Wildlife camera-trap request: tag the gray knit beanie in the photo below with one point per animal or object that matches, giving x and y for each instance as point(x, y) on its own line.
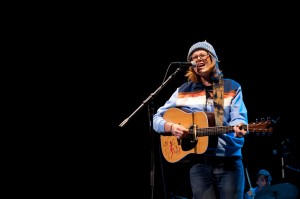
point(202, 45)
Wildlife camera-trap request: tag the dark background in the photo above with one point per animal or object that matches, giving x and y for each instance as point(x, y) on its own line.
point(127, 53)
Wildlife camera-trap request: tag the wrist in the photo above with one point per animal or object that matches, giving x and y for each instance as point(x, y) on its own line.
point(171, 128)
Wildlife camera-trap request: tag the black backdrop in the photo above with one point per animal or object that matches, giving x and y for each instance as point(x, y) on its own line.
point(128, 53)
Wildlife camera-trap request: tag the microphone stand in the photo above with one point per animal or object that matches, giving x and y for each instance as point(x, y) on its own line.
point(150, 114)
point(282, 167)
point(292, 168)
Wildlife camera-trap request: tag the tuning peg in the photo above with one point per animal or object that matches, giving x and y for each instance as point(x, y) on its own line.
point(261, 134)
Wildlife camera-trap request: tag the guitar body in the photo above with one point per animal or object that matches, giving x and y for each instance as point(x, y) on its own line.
point(174, 149)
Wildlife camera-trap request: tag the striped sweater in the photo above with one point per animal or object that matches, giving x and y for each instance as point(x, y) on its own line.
point(194, 97)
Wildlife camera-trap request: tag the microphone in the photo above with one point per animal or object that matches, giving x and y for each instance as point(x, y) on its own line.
point(185, 64)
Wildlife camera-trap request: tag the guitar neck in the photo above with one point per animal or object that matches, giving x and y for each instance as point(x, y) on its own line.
point(214, 130)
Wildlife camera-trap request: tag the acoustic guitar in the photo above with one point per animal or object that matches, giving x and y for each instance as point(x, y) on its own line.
point(201, 125)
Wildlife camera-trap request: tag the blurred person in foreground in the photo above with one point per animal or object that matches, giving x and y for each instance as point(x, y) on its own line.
point(263, 180)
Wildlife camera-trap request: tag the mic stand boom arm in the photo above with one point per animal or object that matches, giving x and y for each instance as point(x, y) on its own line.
point(151, 96)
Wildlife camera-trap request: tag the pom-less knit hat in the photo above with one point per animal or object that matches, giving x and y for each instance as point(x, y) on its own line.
point(202, 45)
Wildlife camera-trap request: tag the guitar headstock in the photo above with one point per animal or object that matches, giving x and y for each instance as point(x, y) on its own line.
point(262, 127)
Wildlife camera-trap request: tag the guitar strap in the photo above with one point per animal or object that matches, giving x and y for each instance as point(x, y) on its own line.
point(218, 97)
